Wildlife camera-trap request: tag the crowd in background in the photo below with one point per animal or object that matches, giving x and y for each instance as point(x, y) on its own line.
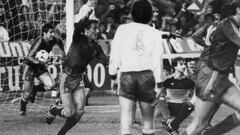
point(23, 19)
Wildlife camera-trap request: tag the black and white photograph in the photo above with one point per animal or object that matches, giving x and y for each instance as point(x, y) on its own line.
point(119, 67)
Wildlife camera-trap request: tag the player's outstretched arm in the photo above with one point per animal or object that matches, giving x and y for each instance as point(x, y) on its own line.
point(80, 26)
point(199, 34)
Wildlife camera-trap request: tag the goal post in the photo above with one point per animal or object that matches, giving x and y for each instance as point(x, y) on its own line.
point(23, 20)
point(69, 23)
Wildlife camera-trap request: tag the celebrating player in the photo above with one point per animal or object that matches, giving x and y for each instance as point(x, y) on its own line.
point(138, 57)
point(83, 49)
point(206, 31)
point(213, 85)
point(36, 66)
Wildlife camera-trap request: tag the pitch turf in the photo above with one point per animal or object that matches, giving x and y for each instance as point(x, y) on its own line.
point(100, 118)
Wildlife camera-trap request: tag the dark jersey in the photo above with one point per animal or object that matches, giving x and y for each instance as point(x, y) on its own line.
point(177, 90)
point(80, 54)
point(40, 44)
point(225, 45)
point(82, 51)
point(207, 32)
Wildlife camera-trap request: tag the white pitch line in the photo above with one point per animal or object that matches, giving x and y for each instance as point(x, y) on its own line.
point(15, 100)
point(109, 111)
point(93, 108)
point(102, 106)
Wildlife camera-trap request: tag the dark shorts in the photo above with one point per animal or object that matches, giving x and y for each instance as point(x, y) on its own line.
point(211, 84)
point(87, 82)
point(137, 86)
point(32, 71)
point(70, 83)
point(174, 108)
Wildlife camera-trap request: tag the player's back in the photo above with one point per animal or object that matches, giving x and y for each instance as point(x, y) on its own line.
point(136, 44)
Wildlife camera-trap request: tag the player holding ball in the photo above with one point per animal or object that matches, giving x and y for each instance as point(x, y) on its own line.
point(36, 66)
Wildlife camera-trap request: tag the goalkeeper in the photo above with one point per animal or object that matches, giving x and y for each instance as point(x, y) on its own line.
point(36, 67)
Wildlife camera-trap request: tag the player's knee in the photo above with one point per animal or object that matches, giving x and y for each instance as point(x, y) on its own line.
point(69, 112)
point(26, 95)
point(79, 112)
point(86, 91)
point(199, 126)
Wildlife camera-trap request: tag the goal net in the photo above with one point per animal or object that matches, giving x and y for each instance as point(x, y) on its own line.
point(23, 20)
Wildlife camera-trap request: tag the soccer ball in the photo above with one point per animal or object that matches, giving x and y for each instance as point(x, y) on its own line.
point(42, 56)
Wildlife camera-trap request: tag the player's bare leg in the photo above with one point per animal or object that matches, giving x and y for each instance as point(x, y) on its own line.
point(73, 100)
point(200, 120)
point(47, 80)
point(147, 111)
point(87, 94)
point(27, 89)
point(25, 96)
point(237, 71)
point(176, 122)
point(72, 120)
point(126, 108)
point(66, 111)
point(230, 98)
point(135, 121)
point(46, 83)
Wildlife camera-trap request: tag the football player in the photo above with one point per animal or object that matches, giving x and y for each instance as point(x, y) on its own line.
point(36, 67)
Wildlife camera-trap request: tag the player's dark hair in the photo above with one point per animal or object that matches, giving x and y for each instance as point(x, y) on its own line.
point(176, 60)
point(141, 11)
point(226, 11)
point(234, 5)
point(209, 15)
point(46, 28)
point(89, 22)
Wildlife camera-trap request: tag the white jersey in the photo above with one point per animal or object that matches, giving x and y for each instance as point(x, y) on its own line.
point(137, 47)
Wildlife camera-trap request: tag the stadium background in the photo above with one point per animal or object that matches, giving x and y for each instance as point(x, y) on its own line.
point(102, 116)
point(21, 36)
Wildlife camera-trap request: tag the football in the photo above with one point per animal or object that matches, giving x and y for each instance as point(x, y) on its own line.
point(42, 56)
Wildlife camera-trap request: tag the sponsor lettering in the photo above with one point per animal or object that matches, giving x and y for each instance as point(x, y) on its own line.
point(12, 54)
point(11, 68)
